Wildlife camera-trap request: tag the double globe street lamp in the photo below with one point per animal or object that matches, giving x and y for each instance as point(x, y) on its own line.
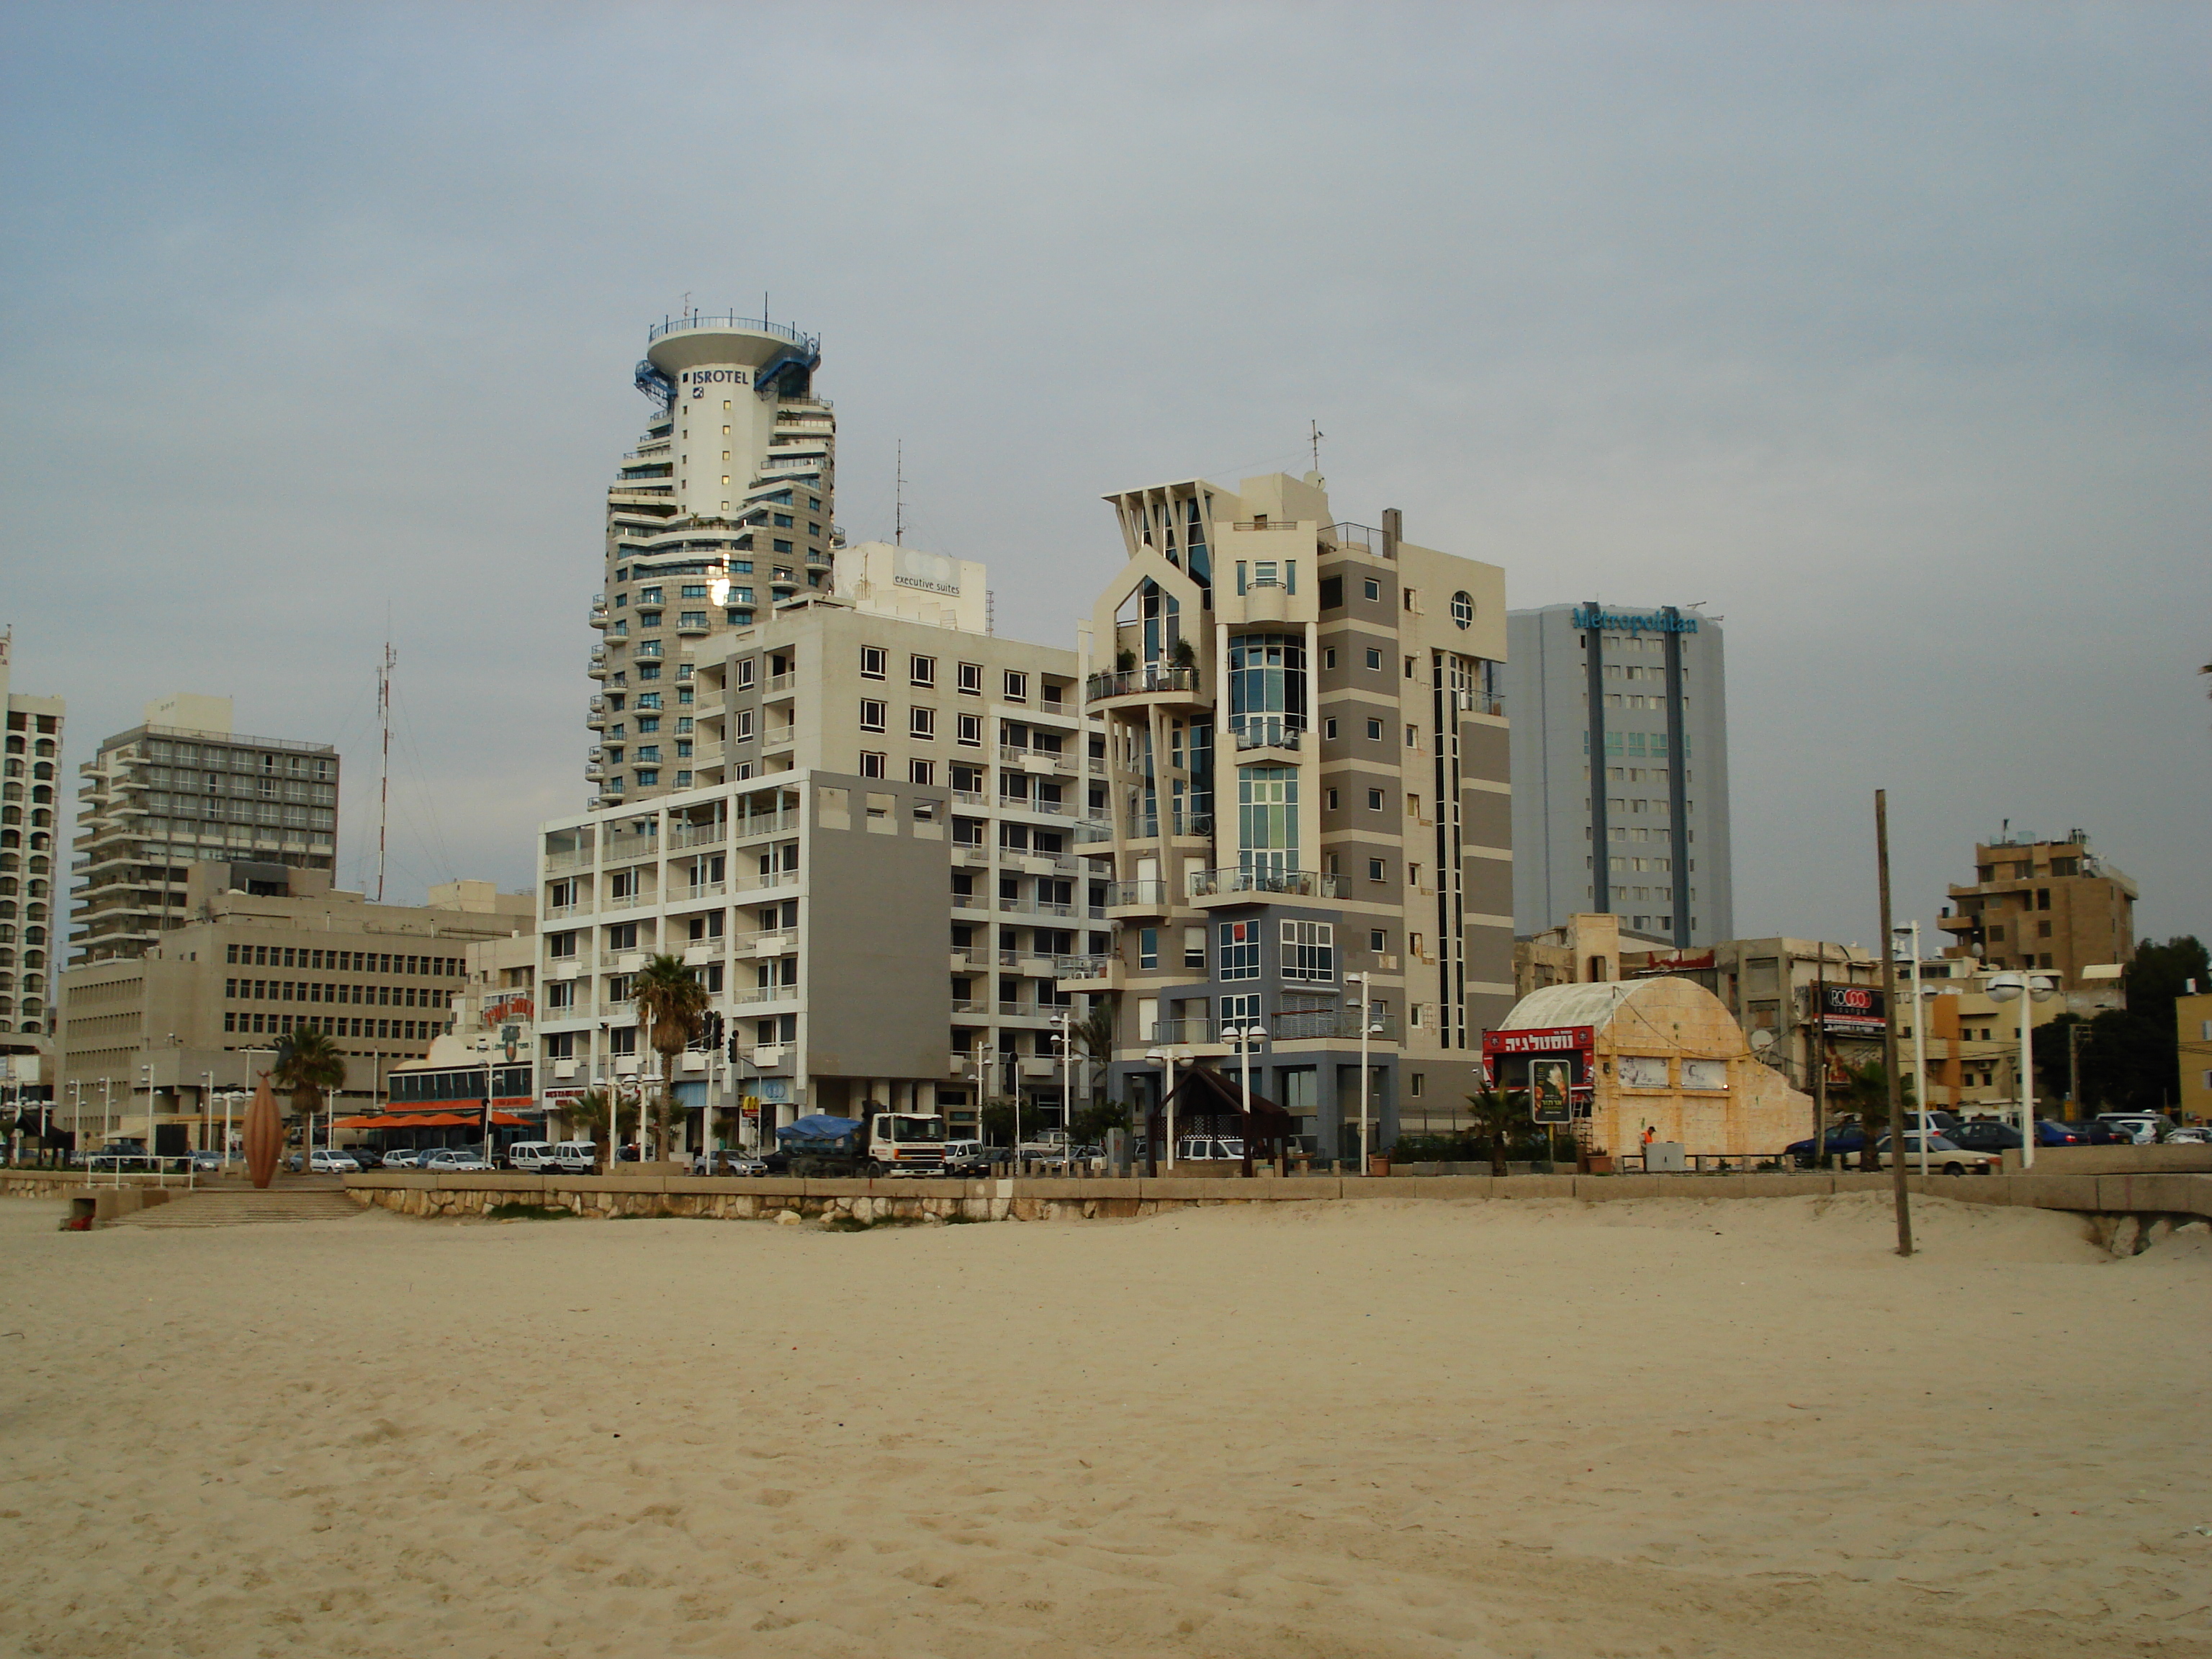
point(2024, 989)
point(1246, 1040)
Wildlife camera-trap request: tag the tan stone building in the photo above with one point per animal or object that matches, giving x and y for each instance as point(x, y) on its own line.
point(255, 951)
point(30, 873)
point(2051, 905)
point(2192, 1017)
point(1661, 1055)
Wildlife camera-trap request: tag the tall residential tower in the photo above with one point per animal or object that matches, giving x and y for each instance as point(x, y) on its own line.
point(28, 862)
point(1620, 799)
point(722, 510)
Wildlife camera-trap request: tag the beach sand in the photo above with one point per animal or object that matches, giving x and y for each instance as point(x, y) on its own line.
point(1400, 1428)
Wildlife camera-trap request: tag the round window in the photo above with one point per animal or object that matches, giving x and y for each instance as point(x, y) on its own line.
point(1462, 609)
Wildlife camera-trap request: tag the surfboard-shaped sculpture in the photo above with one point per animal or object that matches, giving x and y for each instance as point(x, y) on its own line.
point(265, 1135)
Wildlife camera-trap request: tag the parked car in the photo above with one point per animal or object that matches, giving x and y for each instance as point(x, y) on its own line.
point(971, 1160)
point(445, 1158)
point(1842, 1141)
point(401, 1157)
point(1209, 1149)
point(530, 1156)
point(2137, 1128)
point(2049, 1132)
point(1944, 1156)
point(576, 1156)
point(729, 1162)
point(368, 1157)
point(2189, 1134)
point(1986, 1135)
point(207, 1162)
point(2096, 1134)
point(324, 1161)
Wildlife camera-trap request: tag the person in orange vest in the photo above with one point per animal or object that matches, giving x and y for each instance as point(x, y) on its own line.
point(1651, 1134)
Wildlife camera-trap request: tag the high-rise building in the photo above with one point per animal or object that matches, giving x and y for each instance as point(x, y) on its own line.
point(869, 845)
point(724, 509)
point(2043, 904)
point(1620, 785)
point(30, 786)
point(1306, 803)
point(181, 789)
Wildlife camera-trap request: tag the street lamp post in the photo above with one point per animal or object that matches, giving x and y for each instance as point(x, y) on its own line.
point(1247, 1038)
point(2026, 989)
point(1919, 1046)
point(1065, 1022)
point(1366, 1030)
point(1165, 1059)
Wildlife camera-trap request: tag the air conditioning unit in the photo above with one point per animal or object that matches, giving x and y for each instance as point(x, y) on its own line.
point(694, 1062)
point(564, 1069)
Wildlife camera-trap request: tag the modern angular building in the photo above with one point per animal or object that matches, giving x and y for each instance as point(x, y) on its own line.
point(723, 509)
point(1305, 802)
point(182, 789)
point(30, 864)
point(1620, 787)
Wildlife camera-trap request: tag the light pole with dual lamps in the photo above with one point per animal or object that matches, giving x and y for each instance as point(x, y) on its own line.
point(1165, 1059)
point(1369, 1027)
point(1064, 1023)
point(2024, 989)
point(1911, 930)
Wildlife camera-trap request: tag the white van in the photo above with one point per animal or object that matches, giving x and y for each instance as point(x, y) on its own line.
point(575, 1156)
point(530, 1156)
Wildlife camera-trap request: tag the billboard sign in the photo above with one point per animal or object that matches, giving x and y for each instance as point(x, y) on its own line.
point(1551, 1089)
point(1546, 1040)
point(1853, 1010)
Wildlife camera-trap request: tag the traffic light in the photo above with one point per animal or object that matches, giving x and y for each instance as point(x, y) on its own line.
point(711, 1025)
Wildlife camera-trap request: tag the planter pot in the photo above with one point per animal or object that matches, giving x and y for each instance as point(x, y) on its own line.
point(1597, 1163)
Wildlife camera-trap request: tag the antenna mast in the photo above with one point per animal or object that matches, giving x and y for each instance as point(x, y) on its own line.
point(1317, 434)
point(898, 499)
point(384, 765)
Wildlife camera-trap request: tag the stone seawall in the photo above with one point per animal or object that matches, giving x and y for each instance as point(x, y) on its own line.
point(739, 1199)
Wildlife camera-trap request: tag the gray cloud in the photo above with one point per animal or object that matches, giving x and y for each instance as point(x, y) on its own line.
point(1882, 330)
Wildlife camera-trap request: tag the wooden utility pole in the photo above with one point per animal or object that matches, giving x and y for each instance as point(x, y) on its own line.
point(1897, 1184)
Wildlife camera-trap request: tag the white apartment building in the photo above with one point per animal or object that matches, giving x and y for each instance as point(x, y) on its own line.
point(722, 511)
point(30, 868)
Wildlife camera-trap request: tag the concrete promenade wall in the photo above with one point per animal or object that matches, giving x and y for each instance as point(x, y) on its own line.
point(740, 1199)
point(2115, 1160)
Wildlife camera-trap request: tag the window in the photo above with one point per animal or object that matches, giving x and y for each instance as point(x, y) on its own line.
point(1329, 729)
point(1238, 949)
point(1375, 800)
point(1331, 592)
point(1374, 730)
point(921, 671)
point(622, 936)
point(692, 619)
point(1309, 951)
point(741, 726)
point(971, 730)
point(1412, 736)
point(873, 660)
point(783, 547)
point(1407, 593)
point(783, 521)
point(1329, 798)
point(1377, 941)
point(921, 723)
point(1376, 871)
point(1194, 949)
point(1374, 659)
point(1371, 588)
point(1018, 686)
point(921, 771)
point(1328, 657)
point(648, 775)
point(872, 764)
point(871, 714)
point(971, 678)
point(561, 945)
point(744, 673)
point(1148, 947)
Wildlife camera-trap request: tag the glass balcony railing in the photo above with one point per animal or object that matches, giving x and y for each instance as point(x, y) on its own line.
point(1303, 883)
point(1138, 682)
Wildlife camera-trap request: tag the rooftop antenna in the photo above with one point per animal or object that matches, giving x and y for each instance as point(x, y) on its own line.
point(384, 766)
point(898, 499)
point(764, 307)
point(1317, 434)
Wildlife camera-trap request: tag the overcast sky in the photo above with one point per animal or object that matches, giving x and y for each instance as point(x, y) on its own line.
point(1882, 331)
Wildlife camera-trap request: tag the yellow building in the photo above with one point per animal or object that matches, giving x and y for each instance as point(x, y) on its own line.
point(2192, 1017)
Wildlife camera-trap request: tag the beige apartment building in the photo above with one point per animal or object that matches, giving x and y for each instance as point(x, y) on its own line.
point(876, 861)
point(257, 950)
point(2193, 1016)
point(1306, 804)
point(30, 873)
point(2054, 906)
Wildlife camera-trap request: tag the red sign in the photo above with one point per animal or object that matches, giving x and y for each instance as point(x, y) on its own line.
point(1546, 1040)
point(509, 1008)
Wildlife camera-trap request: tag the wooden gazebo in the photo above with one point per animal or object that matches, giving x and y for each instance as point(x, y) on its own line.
point(1212, 1103)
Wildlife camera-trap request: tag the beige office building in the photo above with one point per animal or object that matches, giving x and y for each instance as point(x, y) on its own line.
point(257, 950)
point(2054, 906)
point(1306, 803)
point(722, 512)
point(30, 870)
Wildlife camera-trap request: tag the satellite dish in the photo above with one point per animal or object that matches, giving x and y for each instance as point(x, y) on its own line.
point(1762, 1039)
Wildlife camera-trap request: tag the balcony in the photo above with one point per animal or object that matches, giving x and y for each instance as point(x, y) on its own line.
point(593, 772)
point(1251, 886)
point(1092, 831)
point(1270, 732)
point(1087, 973)
point(1331, 1024)
point(1182, 1031)
point(1034, 760)
point(1159, 679)
point(780, 685)
point(1137, 898)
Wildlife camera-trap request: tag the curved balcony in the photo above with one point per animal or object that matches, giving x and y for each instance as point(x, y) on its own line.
point(1218, 888)
point(1285, 733)
point(731, 320)
point(1159, 682)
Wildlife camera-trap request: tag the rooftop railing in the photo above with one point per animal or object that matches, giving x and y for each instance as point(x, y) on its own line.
point(726, 319)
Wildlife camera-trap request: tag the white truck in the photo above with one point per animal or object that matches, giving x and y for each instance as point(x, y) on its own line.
point(885, 1143)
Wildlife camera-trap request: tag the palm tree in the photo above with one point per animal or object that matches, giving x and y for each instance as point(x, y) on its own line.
point(1866, 1091)
point(307, 1064)
point(1094, 1039)
point(581, 1115)
point(1496, 1115)
point(670, 1001)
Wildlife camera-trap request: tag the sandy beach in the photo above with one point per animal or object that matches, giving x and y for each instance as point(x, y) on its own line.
point(1660, 1427)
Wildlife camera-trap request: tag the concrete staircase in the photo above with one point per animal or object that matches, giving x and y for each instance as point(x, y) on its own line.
point(237, 1206)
